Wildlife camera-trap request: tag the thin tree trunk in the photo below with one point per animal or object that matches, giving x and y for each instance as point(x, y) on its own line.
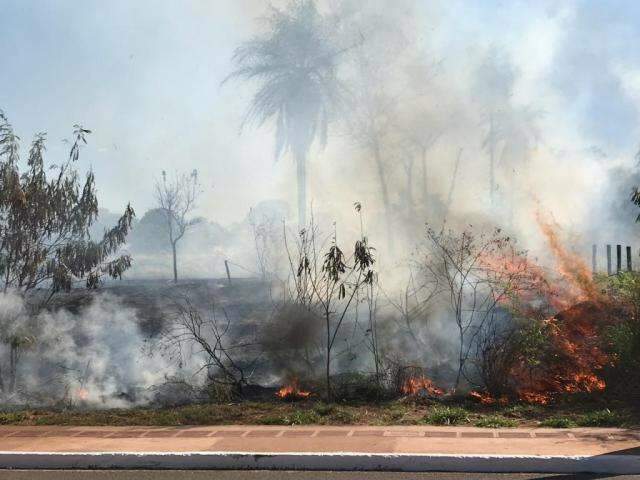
point(13, 365)
point(328, 372)
point(301, 177)
point(452, 186)
point(425, 182)
point(175, 262)
point(492, 148)
point(383, 190)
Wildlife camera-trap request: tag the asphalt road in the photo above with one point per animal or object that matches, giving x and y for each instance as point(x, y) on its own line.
point(263, 475)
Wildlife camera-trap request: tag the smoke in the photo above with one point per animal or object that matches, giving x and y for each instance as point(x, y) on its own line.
point(96, 356)
point(452, 113)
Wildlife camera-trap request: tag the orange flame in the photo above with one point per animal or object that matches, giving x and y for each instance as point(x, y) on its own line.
point(419, 385)
point(292, 391)
point(82, 394)
point(486, 399)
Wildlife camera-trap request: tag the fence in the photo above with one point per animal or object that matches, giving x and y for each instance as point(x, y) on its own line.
point(610, 271)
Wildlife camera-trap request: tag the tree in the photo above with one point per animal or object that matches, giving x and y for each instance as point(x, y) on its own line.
point(45, 239)
point(328, 285)
point(476, 274)
point(45, 221)
point(177, 199)
point(294, 63)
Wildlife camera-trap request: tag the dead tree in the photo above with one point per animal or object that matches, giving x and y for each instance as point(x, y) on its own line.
point(177, 199)
point(204, 337)
point(479, 273)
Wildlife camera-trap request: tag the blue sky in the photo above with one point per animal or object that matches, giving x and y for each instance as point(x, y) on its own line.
point(145, 77)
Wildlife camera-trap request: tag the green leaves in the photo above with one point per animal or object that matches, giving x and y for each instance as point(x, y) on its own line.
point(44, 236)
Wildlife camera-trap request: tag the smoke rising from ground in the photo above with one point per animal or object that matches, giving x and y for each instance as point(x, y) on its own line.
point(450, 114)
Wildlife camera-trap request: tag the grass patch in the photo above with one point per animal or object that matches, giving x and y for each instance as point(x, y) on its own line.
point(9, 418)
point(445, 415)
point(558, 422)
point(324, 409)
point(601, 418)
point(496, 421)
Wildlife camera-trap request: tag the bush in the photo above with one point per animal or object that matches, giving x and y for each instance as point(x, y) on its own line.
point(341, 415)
point(445, 415)
point(601, 418)
point(356, 386)
point(302, 417)
point(9, 418)
point(495, 421)
point(558, 422)
point(324, 409)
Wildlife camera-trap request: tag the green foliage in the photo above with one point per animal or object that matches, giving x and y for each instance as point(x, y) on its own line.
point(446, 415)
point(495, 421)
point(558, 422)
point(44, 235)
point(601, 418)
point(324, 409)
point(622, 339)
point(10, 418)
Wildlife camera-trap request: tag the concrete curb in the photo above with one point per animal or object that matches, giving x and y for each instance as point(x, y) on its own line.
point(338, 461)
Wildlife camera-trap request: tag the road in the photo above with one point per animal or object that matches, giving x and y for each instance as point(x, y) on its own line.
point(264, 475)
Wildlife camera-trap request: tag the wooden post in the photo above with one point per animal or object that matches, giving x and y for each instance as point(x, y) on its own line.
point(629, 266)
point(226, 266)
point(594, 259)
point(618, 258)
point(608, 259)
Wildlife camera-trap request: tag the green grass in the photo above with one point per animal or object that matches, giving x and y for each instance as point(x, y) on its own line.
point(601, 418)
point(446, 415)
point(495, 421)
point(9, 418)
point(558, 422)
point(402, 412)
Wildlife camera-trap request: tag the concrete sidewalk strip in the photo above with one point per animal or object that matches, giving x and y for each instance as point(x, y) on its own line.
point(410, 448)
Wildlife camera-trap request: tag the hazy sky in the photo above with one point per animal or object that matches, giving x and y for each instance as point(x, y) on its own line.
point(145, 77)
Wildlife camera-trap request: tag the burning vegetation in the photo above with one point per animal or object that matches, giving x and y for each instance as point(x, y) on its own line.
point(467, 313)
point(292, 392)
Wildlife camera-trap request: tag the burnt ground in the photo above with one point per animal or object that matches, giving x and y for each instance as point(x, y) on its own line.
point(244, 300)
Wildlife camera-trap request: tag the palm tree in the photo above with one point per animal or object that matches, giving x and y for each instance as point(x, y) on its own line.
point(294, 66)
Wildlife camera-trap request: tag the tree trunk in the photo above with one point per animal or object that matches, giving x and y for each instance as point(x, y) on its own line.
point(301, 177)
point(328, 372)
point(492, 148)
point(175, 262)
point(425, 181)
point(383, 190)
point(13, 365)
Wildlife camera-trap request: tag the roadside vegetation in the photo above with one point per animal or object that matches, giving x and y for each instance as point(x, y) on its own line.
point(464, 413)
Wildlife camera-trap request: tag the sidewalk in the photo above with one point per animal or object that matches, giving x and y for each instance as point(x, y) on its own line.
point(411, 448)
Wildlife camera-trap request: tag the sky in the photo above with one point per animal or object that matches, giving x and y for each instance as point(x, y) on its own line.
point(145, 76)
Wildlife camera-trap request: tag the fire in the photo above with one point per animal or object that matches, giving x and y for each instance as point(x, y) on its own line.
point(420, 385)
point(486, 399)
point(82, 394)
point(292, 391)
point(573, 356)
point(577, 281)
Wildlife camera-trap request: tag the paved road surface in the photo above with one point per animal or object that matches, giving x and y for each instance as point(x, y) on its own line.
point(253, 475)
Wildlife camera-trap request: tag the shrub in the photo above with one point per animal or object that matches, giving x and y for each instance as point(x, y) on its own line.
point(302, 417)
point(601, 418)
point(324, 409)
point(495, 421)
point(8, 418)
point(445, 415)
point(558, 422)
point(340, 415)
